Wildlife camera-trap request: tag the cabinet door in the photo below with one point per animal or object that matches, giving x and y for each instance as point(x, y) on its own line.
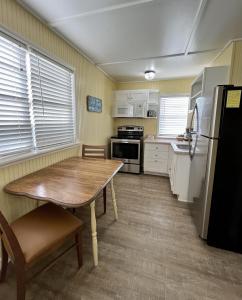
point(139, 100)
point(153, 98)
point(138, 95)
point(140, 109)
point(122, 97)
point(182, 177)
point(173, 174)
point(122, 105)
point(170, 155)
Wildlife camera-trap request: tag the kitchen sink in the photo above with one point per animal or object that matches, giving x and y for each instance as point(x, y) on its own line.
point(183, 147)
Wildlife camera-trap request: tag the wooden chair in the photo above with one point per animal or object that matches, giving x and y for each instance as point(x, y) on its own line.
point(34, 236)
point(91, 151)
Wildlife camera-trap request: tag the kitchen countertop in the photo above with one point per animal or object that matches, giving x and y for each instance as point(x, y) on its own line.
point(171, 141)
point(159, 140)
point(178, 150)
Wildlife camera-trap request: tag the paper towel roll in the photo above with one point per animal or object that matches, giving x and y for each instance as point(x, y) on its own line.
point(189, 118)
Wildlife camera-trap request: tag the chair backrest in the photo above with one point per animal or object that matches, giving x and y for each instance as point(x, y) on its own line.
point(89, 151)
point(10, 241)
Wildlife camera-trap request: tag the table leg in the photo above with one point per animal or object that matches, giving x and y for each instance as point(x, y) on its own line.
point(94, 234)
point(114, 201)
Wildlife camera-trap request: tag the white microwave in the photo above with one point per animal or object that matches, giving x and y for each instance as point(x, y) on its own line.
point(123, 110)
point(130, 109)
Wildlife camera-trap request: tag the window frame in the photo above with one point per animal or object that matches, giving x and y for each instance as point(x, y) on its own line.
point(169, 136)
point(34, 153)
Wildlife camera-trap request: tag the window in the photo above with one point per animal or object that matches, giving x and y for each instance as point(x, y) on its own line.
point(51, 88)
point(15, 125)
point(36, 101)
point(173, 115)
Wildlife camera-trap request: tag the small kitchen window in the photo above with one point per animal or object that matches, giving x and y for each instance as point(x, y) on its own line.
point(37, 109)
point(173, 115)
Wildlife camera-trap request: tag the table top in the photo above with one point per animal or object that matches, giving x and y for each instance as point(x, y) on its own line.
point(72, 182)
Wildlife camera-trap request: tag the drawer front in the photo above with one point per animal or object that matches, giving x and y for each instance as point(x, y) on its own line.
point(151, 155)
point(156, 165)
point(156, 147)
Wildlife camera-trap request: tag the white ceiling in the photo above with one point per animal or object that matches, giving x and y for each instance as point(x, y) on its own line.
point(127, 37)
point(169, 67)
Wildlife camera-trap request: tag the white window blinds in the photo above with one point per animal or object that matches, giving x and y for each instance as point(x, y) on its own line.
point(36, 101)
point(52, 97)
point(173, 115)
point(15, 125)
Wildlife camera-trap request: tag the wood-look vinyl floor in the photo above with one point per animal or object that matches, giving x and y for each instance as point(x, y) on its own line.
point(151, 253)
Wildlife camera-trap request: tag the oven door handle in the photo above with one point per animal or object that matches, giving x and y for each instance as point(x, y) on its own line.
point(125, 141)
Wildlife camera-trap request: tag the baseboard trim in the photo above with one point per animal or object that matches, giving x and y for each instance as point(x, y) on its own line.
point(156, 174)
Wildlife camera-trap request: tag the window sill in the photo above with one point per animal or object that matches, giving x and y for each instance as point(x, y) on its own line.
point(34, 154)
point(164, 136)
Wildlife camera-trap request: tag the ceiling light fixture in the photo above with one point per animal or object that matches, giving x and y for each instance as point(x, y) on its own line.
point(149, 75)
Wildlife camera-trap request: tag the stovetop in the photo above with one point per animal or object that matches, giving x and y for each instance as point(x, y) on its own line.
point(130, 132)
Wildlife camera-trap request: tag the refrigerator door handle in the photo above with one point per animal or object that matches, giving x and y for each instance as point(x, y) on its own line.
point(190, 146)
point(192, 151)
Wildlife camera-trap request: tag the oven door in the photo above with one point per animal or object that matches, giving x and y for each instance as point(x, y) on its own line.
point(126, 150)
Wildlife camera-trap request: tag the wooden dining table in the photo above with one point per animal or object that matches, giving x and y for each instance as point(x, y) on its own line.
point(71, 183)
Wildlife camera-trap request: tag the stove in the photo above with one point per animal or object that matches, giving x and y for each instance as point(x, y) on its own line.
point(128, 147)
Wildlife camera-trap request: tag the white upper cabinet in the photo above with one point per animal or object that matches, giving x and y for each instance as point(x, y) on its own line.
point(205, 83)
point(138, 95)
point(135, 103)
point(122, 97)
point(123, 106)
point(139, 99)
point(153, 97)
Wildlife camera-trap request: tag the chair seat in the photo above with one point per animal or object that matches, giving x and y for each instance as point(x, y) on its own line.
point(44, 229)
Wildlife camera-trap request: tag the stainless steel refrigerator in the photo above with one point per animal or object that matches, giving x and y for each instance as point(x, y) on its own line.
point(216, 167)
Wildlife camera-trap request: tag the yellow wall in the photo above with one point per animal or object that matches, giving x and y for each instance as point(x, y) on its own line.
point(178, 86)
point(175, 86)
point(224, 58)
point(236, 69)
point(93, 128)
point(231, 56)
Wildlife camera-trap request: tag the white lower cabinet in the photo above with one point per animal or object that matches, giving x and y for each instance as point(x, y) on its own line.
point(161, 159)
point(170, 156)
point(179, 176)
point(156, 159)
